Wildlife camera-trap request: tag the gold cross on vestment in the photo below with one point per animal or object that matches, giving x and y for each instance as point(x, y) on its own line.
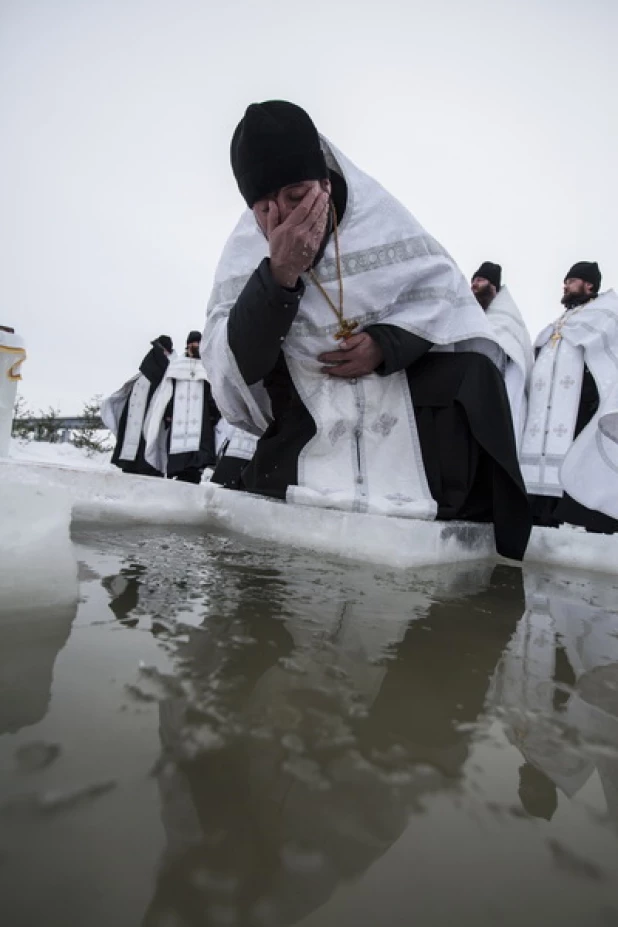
point(346, 328)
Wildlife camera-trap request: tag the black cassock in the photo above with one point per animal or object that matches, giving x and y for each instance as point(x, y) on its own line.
point(189, 466)
point(153, 367)
point(460, 402)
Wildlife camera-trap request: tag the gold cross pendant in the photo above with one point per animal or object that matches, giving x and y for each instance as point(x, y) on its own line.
point(555, 338)
point(345, 329)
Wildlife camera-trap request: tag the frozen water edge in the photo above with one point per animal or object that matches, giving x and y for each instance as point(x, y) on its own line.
point(574, 547)
point(106, 496)
point(37, 562)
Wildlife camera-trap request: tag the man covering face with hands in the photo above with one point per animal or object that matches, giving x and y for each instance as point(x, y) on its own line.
point(346, 338)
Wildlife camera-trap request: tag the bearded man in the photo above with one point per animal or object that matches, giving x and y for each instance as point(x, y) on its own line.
point(512, 335)
point(327, 301)
point(569, 455)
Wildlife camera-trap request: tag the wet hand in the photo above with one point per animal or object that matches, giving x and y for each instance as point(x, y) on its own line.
point(357, 356)
point(295, 242)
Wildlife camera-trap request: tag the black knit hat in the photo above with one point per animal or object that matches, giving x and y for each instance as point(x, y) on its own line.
point(193, 337)
point(491, 272)
point(275, 144)
point(165, 341)
point(588, 271)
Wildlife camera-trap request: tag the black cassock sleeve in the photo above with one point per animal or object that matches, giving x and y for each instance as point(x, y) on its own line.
point(259, 321)
point(211, 405)
point(400, 348)
point(169, 409)
point(154, 365)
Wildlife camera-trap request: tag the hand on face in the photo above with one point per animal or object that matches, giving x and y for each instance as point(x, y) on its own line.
point(357, 356)
point(295, 241)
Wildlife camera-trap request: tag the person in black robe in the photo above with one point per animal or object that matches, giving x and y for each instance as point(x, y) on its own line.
point(188, 466)
point(459, 399)
point(152, 368)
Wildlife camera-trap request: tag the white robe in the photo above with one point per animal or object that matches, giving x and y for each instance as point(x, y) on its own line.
point(135, 392)
point(590, 472)
point(186, 428)
point(234, 442)
point(510, 330)
point(366, 453)
point(580, 617)
point(551, 461)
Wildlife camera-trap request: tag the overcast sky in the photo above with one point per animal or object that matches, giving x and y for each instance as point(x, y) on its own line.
point(495, 122)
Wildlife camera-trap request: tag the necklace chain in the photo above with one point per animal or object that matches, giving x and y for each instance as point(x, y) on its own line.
point(346, 326)
point(559, 324)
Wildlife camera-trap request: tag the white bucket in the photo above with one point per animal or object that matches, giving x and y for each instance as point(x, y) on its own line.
point(12, 355)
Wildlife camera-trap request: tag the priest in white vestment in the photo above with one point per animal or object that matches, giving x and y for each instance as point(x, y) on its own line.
point(568, 457)
point(510, 330)
point(180, 424)
point(345, 337)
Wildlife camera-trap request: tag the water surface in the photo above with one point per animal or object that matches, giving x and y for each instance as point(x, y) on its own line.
point(220, 734)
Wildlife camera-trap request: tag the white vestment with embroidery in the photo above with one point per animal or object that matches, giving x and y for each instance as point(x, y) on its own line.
point(552, 462)
point(510, 330)
point(365, 455)
point(135, 391)
point(188, 374)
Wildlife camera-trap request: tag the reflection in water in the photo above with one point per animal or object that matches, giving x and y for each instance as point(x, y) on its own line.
point(438, 679)
point(30, 641)
point(297, 750)
point(334, 744)
point(124, 590)
point(558, 687)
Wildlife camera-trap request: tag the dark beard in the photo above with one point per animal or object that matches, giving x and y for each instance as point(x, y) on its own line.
point(484, 299)
point(571, 300)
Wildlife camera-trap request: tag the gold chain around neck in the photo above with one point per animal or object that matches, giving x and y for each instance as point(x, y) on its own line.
point(346, 327)
point(560, 323)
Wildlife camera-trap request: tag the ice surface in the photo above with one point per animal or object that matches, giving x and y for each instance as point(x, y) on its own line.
point(574, 547)
point(101, 493)
point(104, 495)
point(37, 564)
point(396, 542)
point(60, 453)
